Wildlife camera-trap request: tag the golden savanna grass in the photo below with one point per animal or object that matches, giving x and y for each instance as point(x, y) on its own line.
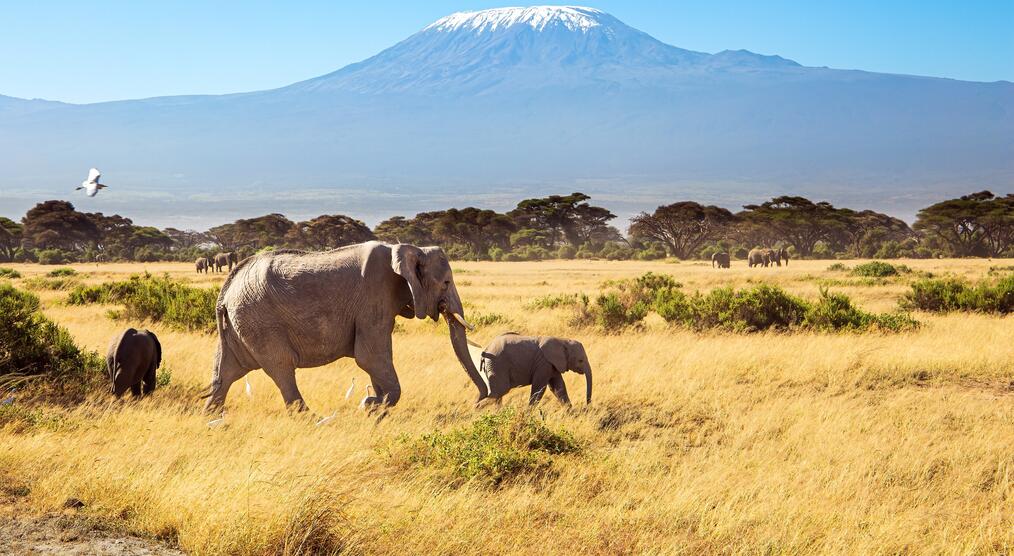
point(695, 443)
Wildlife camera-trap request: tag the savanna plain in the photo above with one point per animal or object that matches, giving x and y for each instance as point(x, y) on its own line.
point(695, 442)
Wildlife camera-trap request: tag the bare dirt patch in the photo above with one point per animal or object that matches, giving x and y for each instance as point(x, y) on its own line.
point(68, 534)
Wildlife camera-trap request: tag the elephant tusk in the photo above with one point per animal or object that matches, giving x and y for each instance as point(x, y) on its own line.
point(461, 320)
point(472, 342)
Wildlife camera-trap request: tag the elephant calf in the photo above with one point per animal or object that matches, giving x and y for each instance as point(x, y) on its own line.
point(511, 360)
point(132, 360)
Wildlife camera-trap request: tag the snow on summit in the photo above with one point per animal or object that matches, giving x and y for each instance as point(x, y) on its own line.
point(573, 18)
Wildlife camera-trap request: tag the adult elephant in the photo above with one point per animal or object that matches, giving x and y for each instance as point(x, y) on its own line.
point(721, 260)
point(132, 362)
point(289, 309)
point(758, 257)
point(202, 265)
point(223, 260)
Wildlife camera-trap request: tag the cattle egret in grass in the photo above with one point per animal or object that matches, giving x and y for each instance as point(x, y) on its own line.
point(362, 403)
point(327, 419)
point(92, 185)
point(215, 423)
point(352, 388)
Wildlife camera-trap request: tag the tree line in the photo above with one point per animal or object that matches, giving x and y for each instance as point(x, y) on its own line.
point(557, 226)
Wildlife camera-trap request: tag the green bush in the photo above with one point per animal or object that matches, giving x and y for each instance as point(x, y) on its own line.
point(488, 319)
point(159, 299)
point(554, 301)
point(941, 295)
point(51, 256)
point(759, 308)
point(566, 252)
point(34, 348)
point(879, 269)
point(9, 273)
point(613, 314)
point(495, 448)
point(838, 267)
point(61, 272)
point(835, 312)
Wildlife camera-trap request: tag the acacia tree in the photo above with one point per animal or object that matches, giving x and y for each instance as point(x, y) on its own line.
point(682, 227)
point(55, 224)
point(10, 238)
point(976, 224)
point(796, 220)
point(862, 233)
point(566, 217)
point(252, 233)
point(399, 229)
point(475, 228)
point(329, 231)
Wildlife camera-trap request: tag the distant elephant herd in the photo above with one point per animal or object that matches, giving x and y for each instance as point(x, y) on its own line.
point(217, 263)
point(287, 309)
point(757, 257)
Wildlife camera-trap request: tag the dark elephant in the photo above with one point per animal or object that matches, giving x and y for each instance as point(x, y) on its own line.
point(511, 360)
point(721, 260)
point(132, 361)
point(225, 260)
point(758, 257)
point(202, 265)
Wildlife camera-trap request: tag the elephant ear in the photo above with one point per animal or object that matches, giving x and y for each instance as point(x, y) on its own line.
point(555, 352)
point(405, 263)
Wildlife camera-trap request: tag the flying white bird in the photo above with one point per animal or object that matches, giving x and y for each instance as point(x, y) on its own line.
point(92, 185)
point(352, 388)
point(215, 423)
point(362, 403)
point(327, 419)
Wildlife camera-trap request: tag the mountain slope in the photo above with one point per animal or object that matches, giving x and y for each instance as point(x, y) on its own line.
point(522, 101)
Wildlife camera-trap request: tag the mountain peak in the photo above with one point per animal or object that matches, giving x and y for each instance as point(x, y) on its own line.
point(572, 18)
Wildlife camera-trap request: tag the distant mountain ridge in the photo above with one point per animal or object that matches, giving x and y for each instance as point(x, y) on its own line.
point(512, 102)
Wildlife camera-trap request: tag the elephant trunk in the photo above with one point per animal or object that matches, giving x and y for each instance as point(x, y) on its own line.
point(460, 343)
point(588, 382)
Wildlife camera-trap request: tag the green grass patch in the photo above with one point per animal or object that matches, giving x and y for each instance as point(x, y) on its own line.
point(155, 298)
point(6, 272)
point(555, 301)
point(838, 267)
point(61, 272)
point(943, 295)
point(496, 448)
point(488, 319)
point(40, 283)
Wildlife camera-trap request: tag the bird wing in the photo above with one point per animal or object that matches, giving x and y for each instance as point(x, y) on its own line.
point(94, 174)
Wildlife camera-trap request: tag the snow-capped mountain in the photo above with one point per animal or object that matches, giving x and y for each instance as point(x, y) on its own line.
point(485, 107)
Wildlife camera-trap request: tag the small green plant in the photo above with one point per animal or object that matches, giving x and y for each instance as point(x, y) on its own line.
point(834, 312)
point(19, 418)
point(554, 301)
point(157, 298)
point(6, 272)
point(164, 377)
point(61, 272)
point(838, 267)
point(488, 319)
point(495, 448)
point(942, 295)
point(879, 269)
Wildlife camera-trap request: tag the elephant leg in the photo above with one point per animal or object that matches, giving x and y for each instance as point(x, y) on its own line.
point(150, 378)
point(373, 355)
point(284, 378)
point(559, 388)
point(227, 371)
point(135, 390)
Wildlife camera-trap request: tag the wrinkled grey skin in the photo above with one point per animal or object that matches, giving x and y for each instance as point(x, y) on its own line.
point(721, 260)
point(202, 265)
point(286, 309)
point(758, 257)
point(511, 361)
point(223, 260)
point(132, 361)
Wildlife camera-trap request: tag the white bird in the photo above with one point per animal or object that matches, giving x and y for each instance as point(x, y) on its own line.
point(249, 390)
point(362, 403)
point(215, 423)
point(352, 388)
point(327, 419)
point(92, 185)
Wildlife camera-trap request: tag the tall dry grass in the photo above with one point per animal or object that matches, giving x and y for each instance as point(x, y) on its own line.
point(696, 443)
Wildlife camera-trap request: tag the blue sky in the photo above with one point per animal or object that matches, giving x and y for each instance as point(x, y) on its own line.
point(105, 50)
